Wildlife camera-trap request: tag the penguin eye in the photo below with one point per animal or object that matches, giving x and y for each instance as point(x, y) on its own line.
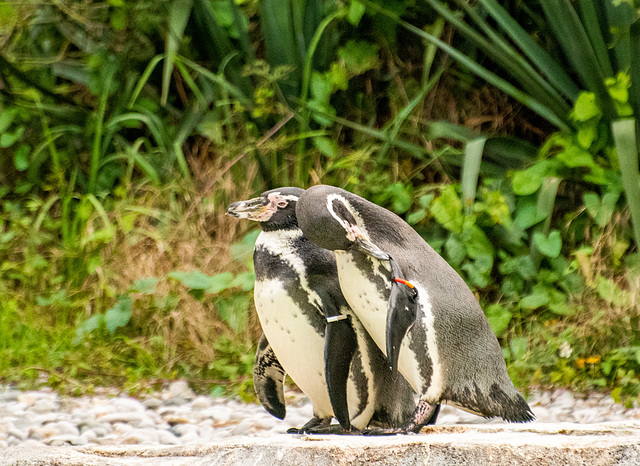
point(282, 204)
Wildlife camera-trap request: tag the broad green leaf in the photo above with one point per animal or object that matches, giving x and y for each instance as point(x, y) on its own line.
point(601, 211)
point(527, 215)
point(400, 197)
point(195, 279)
point(244, 248)
point(447, 209)
point(8, 138)
point(498, 317)
point(416, 217)
point(119, 315)
point(145, 285)
point(245, 280)
point(574, 156)
point(455, 250)
point(6, 118)
point(356, 11)
point(21, 157)
point(87, 327)
point(586, 107)
point(220, 282)
point(328, 147)
point(550, 245)
point(528, 181)
point(612, 293)
point(359, 56)
point(535, 300)
point(518, 347)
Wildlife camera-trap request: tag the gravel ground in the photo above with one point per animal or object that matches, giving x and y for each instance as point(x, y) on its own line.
point(177, 416)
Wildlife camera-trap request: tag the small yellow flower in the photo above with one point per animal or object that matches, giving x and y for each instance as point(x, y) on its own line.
point(592, 360)
point(580, 363)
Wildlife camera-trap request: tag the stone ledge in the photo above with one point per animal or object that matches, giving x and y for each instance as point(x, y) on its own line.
point(489, 444)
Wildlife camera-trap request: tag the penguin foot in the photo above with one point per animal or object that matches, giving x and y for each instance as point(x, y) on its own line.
point(425, 414)
point(335, 429)
point(314, 422)
point(384, 431)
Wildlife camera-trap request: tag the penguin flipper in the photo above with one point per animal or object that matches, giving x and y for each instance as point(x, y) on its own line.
point(340, 346)
point(268, 380)
point(403, 309)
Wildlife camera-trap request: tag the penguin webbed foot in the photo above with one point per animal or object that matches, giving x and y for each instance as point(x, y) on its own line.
point(335, 429)
point(314, 422)
point(425, 414)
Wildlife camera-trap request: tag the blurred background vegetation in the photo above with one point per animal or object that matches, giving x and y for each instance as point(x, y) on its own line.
point(507, 138)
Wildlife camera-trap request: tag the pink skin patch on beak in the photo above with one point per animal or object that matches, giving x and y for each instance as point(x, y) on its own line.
point(353, 232)
point(275, 202)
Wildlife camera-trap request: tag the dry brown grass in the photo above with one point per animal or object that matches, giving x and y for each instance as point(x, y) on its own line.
point(186, 229)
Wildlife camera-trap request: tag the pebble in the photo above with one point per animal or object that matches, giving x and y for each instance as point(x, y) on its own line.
point(177, 416)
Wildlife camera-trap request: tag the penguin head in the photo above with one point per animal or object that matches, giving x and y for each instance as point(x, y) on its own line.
point(274, 209)
point(329, 217)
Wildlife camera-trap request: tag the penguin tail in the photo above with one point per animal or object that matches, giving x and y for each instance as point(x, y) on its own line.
point(518, 410)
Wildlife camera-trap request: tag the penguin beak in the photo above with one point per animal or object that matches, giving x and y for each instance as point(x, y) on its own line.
point(254, 209)
point(366, 246)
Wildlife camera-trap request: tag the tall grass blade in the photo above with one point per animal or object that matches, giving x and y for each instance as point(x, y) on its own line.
point(545, 112)
point(144, 77)
point(301, 166)
point(591, 16)
point(96, 150)
point(553, 70)
point(513, 62)
point(634, 67)
point(470, 172)
point(625, 138)
point(179, 13)
point(396, 123)
point(276, 21)
point(214, 42)
point(578, 50)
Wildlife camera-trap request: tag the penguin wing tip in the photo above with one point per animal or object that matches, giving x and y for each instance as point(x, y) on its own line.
point(279, 411)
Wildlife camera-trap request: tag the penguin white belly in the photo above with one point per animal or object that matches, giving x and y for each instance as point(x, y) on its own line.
point(371, 308)
point(297, 345)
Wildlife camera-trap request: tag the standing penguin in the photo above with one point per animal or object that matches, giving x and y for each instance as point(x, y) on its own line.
point(309, 330)
point(415, 307)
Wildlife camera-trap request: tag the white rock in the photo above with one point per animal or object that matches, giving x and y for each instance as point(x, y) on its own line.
point(152, 403)
point(133, 418)
point(167, 438)
point(201, 402)
point(66, 440)
point(242, 428)
point(181, 389)
point(44, 406)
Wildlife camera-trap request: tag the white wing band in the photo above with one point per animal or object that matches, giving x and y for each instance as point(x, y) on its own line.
point(336, 318)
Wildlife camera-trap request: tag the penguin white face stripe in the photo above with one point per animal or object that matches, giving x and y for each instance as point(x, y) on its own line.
point(280, 243)
point(351, 232)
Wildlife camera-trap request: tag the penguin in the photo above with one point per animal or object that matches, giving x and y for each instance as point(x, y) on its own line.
point(310, 333)
point(416, 308)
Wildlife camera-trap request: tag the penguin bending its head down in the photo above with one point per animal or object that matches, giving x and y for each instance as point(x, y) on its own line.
point(417, 309)
point(309, 330)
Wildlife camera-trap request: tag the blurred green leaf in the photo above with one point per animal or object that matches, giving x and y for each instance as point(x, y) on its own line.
point(195, 279)
point(359, 56)
point(499, 318)
point(220, 282)
point(119, 315)
point(145, 286)
point(550, 245)
point(447, 209)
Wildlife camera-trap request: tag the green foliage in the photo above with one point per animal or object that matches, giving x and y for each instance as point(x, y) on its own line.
point(300, 93)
